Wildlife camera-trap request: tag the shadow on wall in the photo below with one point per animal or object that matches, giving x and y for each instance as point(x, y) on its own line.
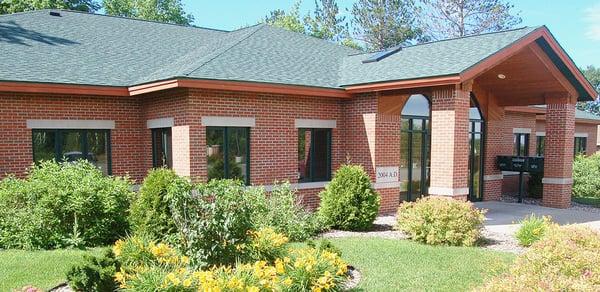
point(11, 32)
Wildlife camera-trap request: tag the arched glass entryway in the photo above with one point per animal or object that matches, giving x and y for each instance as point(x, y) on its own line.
point(414, 148)
point(476, 138)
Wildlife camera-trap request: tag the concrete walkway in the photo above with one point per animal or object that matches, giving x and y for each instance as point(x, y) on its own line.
point(507, 215)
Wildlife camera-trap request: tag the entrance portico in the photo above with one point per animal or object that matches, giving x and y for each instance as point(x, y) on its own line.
point(454, 163)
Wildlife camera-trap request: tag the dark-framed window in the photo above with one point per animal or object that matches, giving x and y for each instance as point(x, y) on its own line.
point(540, 146)
point(162, 154)
point(72, 145)
point(521, 142)
point(228, 153)
point(314, 155)
point(580, 145)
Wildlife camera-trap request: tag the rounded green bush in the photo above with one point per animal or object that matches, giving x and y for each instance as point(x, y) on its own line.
point(150, 210)
point(586, 176)
point(349, 202)
point(441, 221)
point(63, 204)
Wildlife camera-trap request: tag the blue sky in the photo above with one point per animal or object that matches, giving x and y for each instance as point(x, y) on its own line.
point(575, 23)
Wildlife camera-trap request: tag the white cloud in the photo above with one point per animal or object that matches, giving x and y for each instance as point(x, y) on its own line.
point(592, 18)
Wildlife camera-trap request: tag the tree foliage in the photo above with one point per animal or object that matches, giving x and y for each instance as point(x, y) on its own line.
point(457, 18)
point(327, 22)
point(13, 6)
point(381, 24)
point(593, 75)
point(289, 20)
point(169, 11)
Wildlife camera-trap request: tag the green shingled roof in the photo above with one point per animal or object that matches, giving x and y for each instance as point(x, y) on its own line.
point(82, 48)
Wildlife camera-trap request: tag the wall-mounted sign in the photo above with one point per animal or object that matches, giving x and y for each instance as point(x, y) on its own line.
point(385, 174)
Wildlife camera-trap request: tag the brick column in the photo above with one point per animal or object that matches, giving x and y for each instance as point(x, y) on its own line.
point(558, 156)
point(180, 137)
point(494, 140)
point(450, 142)
point(387, 155)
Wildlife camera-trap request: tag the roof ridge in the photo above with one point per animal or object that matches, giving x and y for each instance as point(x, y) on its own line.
point(452, 39)
point(310, 36)
point(257, 28)
point(115, 16)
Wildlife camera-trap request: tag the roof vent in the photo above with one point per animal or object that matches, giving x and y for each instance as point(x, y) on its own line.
point(54, 13)
point(380, 55)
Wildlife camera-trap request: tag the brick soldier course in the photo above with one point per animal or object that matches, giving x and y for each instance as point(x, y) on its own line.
point(134, 76)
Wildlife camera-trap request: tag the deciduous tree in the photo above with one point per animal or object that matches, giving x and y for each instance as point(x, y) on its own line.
point(169, 11)
point(593, 75)
point(13, 6)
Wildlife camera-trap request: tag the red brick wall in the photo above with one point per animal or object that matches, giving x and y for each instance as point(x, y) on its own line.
point(128, 153)
point(590, 129)
point(274, 140)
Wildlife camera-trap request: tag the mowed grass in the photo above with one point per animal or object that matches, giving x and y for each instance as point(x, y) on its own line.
point(385, 264)
point(402, 265)
point(43, 269)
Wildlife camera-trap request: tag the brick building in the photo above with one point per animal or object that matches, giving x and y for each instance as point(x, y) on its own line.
point(263, 104)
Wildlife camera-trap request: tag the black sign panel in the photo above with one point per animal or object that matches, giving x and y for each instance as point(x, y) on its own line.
point(520, 163)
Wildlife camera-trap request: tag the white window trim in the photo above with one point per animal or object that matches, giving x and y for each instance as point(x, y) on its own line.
point(160, 123)
point(314, 124)
point(540, 134)
point(71, 124)
point(521, 131)
point(581, 135)
point(214, 121)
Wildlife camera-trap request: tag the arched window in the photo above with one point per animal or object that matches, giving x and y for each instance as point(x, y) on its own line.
point(416, 105)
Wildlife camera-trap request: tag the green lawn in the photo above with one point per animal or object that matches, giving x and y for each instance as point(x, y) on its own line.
point(43, 269)
point(385, 264)
point(393, 265)
point(592, 201)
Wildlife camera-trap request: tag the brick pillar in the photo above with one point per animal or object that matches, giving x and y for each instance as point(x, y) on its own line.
point(450, 142)
point(494, 139)
point(180, 137)
point(387, 157)
point(558, 156)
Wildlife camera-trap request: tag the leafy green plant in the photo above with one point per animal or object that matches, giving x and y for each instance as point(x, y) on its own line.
point(586, 176)
point(150, 210)
point(441, 221)
point(349, 202)
point(532, 229)
point(267, 245)
point(567, 258)
point(283, 211)
point(63, 204)
point(213, 221)
point(95, 273)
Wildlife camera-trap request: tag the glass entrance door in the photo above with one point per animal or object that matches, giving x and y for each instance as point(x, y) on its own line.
point(414, 158)
point(475, 160)
point(476, 137)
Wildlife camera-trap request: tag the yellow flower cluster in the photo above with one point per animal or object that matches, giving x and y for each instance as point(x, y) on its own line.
point(298, 269)
point(269, 235)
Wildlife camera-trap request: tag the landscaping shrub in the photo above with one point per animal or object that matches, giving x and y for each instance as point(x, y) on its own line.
point(566, 259)
point(532, 229)
point(150, 210)
point(283, 211)
point(213, 221)
point(586, 176)
point(63, 204)
point(441, 221)
point(349, 202)
point(301, 270)
point(266, 244)
point(95, 273)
